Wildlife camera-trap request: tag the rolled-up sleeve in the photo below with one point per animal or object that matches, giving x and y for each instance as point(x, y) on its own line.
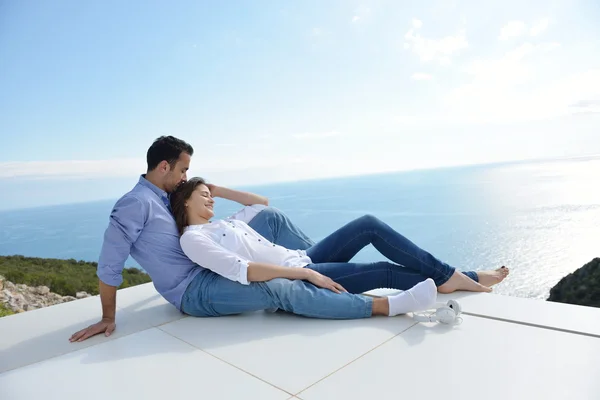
point(247, 213)
point(205, 252)
point(126, 222)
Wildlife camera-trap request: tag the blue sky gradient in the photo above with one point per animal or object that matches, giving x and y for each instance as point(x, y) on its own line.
point(271, 91)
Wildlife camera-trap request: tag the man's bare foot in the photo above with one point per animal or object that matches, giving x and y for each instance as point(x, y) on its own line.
point(459, 281)
point(491, 278)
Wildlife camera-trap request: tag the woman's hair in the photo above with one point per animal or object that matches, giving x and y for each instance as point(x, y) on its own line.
point(178, 198)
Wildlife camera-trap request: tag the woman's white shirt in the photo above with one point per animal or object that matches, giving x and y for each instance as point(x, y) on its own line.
point(227, 246)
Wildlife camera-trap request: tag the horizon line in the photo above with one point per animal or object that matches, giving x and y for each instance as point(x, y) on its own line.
point(269, 184)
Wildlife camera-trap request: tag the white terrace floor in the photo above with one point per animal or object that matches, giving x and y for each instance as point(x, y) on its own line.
point(506, 348)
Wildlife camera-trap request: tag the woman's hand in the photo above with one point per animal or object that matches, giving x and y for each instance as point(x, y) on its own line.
point(323, 281)
point(213, 189)
point(244, 198)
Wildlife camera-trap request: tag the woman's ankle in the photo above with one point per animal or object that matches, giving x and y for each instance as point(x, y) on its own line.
point(381, 306)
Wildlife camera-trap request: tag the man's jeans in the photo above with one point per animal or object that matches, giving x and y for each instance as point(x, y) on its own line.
point(213, 295)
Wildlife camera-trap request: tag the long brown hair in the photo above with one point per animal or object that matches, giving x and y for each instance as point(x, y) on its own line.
point(178, 199)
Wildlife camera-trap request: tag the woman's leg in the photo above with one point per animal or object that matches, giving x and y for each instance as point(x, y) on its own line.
point(347, 241)
point(361, 277)
point(278, 228)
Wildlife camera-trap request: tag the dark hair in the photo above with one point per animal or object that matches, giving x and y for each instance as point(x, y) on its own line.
point(167, 148)
point(178, 198)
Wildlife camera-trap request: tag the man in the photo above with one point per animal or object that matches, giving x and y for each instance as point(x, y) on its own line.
point(141, 225)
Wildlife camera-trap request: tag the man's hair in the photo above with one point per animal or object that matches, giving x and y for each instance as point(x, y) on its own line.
point(167, 148)
point(178, 198)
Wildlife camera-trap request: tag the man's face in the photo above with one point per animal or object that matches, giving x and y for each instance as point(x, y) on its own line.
point(177, 174)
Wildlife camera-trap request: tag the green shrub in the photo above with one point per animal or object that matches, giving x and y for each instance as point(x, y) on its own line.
point(65, 277)
point(4, 310)
point(582, 287)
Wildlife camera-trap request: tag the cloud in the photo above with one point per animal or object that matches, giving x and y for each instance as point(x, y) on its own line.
point(586, 103)
point(506, 69)
point(512, 88)
point(512, 29)
point(585, 107)
point(316, 135)
point(209, 166)
point(361, 13)
point(421, 76)
point(515, 29)
point(317, 31)
point(539, 27)
point(439, 50)
point(73, 169)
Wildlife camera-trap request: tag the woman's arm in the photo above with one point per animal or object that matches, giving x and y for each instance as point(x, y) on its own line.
point(244, 198)
point(208, 254)
point(260, 272)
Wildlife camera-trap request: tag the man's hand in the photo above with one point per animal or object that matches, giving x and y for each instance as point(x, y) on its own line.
point(323, 281)
point(106, 326)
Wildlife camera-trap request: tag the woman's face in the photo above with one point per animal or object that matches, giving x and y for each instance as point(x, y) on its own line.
point(201, 203)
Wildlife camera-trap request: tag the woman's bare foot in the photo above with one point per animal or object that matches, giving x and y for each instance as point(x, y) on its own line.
point(491, 278)
point(459, 281)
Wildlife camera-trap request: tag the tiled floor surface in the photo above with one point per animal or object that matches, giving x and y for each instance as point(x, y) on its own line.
point(506, 348)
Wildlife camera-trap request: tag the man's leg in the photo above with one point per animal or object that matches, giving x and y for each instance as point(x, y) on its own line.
point(210, 294)
point(275, 226)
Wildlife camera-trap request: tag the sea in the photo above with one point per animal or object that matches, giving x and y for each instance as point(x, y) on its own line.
point(539, 218)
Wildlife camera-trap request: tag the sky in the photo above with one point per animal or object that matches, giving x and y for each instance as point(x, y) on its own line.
point(269, 91)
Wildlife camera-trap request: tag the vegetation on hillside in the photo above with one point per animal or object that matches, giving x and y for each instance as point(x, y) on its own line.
point(582, 287)
point(65, 277)
point(4, 311)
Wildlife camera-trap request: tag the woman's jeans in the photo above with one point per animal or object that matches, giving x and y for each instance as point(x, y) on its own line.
point(277, 228)
point(210, 294)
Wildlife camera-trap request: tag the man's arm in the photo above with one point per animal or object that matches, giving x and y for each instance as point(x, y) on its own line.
point(126, 223)
point(244, 198)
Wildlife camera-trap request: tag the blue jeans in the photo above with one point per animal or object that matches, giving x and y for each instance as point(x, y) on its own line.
point(410, 264)
point(276, 227)
point(210, 294)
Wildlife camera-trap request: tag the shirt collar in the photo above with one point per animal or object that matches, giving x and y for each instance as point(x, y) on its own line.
point(195, 227)
point(145, 182)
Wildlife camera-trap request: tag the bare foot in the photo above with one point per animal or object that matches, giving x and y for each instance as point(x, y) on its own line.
point(459, 281)
point(491, 278)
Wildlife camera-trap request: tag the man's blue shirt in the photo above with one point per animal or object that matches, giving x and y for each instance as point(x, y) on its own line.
point(141, 225)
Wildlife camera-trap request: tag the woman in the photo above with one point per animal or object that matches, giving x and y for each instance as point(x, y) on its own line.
point(245, 272)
